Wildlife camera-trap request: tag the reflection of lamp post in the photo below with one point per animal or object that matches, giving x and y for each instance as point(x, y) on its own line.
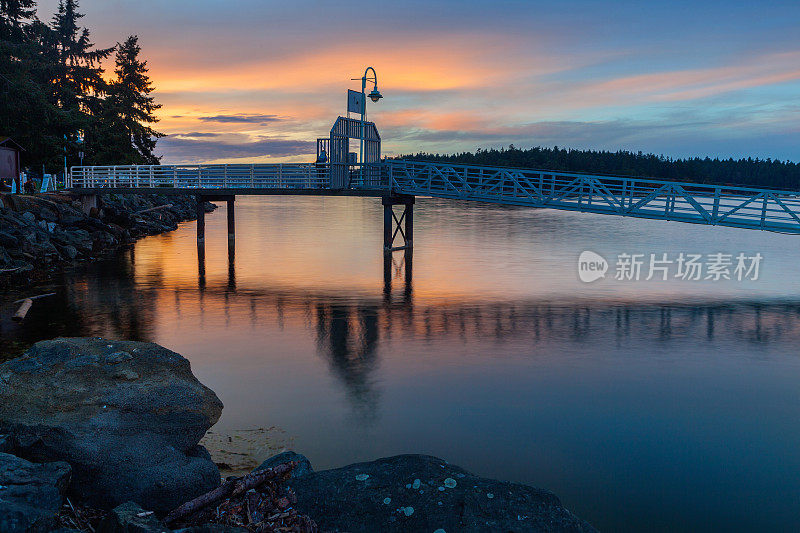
point(375, 95)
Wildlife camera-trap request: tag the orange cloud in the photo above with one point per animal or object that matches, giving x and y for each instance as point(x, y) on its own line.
point(697, 83)
point(443, 63)
point(435, 120)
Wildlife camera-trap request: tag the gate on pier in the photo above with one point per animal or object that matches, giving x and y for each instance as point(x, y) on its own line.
point(341, 176)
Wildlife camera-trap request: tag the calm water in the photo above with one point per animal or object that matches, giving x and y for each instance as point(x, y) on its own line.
point(650, 405)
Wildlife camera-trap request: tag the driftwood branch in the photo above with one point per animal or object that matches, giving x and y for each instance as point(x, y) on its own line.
point(254, 479)
point(209, 498)
point(19, 316)
point(231, 488)
point(35, 297)
point(25, 306)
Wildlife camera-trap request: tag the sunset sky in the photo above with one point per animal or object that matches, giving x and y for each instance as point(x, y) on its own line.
point(251, 80)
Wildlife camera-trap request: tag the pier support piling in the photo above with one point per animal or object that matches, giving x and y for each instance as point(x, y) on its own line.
point(201, 242)
point(201, 221)
point(88, 202)
point(394, 226)
point(231, 220)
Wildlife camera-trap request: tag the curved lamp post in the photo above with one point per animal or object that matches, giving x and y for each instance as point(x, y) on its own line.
point(375, 95)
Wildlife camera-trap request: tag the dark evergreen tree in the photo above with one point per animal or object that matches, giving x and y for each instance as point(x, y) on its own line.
point(79, 84)
point(52, 92)
point(126, 137)
point(14, 15)
point(27, 111)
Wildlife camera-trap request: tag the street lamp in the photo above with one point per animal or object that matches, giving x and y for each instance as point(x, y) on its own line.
point(375, 95)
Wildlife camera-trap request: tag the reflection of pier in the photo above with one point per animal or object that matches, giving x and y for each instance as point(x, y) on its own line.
point(351, 332)
point(397, 268)
point(398, 312)
point(352, 329)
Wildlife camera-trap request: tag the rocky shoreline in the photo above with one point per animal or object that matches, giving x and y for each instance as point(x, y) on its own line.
point(102, 435)
point(42, 233)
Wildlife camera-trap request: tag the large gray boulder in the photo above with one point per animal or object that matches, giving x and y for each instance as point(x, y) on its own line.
point(408, 493)
point(30, 494)
point(127, 416)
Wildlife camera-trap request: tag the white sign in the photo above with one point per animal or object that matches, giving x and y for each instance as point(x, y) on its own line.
point(355, 102)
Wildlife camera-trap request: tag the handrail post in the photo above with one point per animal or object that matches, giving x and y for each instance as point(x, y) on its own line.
point(715, 212)
point(252, 176)
point(631, 192)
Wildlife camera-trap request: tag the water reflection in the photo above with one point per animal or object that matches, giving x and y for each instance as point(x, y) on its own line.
point(397, 267)
point(347, 337)
point(482, 347)
point(105, 300)
point(201, 264)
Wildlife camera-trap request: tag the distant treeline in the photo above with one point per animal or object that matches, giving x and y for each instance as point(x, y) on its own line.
point(750, 172)
point(55, 99)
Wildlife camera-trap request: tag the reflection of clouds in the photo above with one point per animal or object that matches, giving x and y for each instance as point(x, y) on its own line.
point(350, 328)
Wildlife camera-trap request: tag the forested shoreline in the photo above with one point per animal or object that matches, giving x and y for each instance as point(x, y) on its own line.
point(750, 172)
point(57, 100)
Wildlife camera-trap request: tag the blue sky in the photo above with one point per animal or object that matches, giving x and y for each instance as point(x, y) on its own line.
point(259, 81)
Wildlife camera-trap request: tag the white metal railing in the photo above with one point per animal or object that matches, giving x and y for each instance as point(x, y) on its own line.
point(224, 176)
point(741, 207)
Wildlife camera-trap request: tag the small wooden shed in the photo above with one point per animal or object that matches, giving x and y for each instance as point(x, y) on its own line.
point(9, 159)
